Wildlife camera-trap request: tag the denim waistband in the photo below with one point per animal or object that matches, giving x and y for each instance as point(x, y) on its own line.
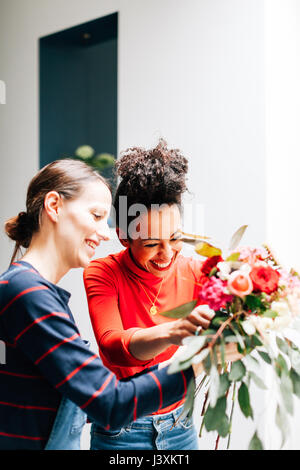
point(170, 417)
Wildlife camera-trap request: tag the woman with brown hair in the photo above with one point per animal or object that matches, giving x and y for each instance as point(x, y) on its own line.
point(51, 381)
point(127, 291)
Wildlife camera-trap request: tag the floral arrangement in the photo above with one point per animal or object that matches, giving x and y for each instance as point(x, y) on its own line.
point(257, 305)
point(100, 161)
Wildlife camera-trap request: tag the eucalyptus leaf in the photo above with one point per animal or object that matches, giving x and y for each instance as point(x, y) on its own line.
point(215, 419)
point(201, 356)
point(177, 366)
point(256, 340)
point(286, 389)
point(282, 345)
point(213, 390)
point(224, 385)
point(255, 443)
point(193, 347)
point(189, 400)
point(281, 366)
point(244, 400)
point(236, 237)
point(294, 356)
point(237, 372)
point(231, 339)
point(257, 380)
point(207, 363)
point(265, 356)
point(251, 362)
point(180, 312)
point(295, 378)
point(282, 423)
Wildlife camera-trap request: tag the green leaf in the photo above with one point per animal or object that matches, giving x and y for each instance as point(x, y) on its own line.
point(189, 400)
point(282, 345)
point(207, 363)
point(213, 272)
point(282, 423)
point(193, 347)
point(294, 356)
point(286, 389)
point(244, 400)
point(253, 303)
point(256, 340)
point(201, 356)
point(180, 312)
point(295, 378)
point(231, 339)
point(177, 366)
point(236, 237)
point(265, 356)
point(257, 380)
point(255, 443)
point(215, 419)
point(281, 365)
point(237, 371)
point(251, 362)
point(224, 385)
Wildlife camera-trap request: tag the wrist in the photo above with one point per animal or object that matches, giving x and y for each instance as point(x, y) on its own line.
point(165, 334)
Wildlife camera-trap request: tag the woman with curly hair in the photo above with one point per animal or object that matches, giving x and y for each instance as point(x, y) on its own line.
point(127, 291)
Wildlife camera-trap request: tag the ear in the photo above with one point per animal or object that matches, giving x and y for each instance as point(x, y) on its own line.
point(52, 205)
point(122, 237)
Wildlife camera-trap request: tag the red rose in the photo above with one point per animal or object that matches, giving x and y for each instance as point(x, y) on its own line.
point(210, 263)
point(264, 279)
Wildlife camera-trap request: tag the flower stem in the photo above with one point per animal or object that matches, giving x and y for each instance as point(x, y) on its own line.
point(231, 415)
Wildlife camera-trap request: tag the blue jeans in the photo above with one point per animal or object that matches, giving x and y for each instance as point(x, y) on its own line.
point(157, 432)
point(67, 427)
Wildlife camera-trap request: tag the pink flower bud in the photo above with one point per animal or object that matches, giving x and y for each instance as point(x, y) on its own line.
point(240, 284)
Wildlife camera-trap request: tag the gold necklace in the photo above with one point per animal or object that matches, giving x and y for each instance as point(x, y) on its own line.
point(153, 309)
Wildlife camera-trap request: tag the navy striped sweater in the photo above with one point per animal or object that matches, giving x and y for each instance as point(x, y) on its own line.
point(46, 358)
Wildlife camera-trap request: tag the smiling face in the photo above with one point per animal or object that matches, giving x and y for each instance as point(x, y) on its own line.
point(83, 224)
point(156, 250)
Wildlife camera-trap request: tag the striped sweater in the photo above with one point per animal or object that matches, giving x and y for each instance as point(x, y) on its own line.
point(46, 358)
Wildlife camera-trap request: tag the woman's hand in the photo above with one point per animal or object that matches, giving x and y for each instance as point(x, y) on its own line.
point(198, 319)
point(146, 343)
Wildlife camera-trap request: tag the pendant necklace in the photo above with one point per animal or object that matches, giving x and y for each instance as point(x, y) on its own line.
point(153, 309)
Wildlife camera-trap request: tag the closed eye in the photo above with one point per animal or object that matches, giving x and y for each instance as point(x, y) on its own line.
point(98, 216)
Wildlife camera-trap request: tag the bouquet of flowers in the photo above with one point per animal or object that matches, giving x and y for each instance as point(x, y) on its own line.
point(257, 305)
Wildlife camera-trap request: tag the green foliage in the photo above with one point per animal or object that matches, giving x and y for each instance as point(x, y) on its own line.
point(237, 372)
point(255, 443)
point(215, 418)
point(180, 312)
point(244, 400)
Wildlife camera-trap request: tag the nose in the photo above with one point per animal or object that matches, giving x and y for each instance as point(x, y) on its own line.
point(166, 252)
point(103, 231)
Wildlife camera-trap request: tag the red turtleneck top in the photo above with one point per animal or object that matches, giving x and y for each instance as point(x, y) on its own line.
point(118, 306)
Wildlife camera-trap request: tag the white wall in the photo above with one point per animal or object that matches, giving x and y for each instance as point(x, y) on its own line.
point(282, 78)
point(191, 72)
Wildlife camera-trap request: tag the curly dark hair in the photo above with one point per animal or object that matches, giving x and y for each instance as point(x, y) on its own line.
point(155, 176)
